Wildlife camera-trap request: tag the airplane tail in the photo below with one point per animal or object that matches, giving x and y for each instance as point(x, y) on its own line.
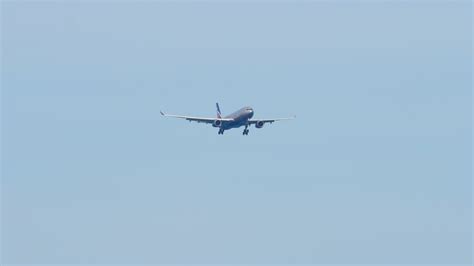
point(218, 111)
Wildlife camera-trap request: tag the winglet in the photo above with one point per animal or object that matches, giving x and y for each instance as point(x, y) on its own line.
point(161, 112)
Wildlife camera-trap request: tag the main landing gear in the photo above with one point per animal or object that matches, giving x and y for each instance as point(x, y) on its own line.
point(246, 131)
point(221, 131)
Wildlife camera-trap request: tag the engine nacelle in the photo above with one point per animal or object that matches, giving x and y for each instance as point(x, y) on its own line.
point(259, 124)
point(217, 123)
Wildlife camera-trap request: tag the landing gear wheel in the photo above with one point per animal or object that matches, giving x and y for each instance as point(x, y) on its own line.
point(246, 132)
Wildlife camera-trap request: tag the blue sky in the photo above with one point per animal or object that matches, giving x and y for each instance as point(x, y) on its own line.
point(375, 169)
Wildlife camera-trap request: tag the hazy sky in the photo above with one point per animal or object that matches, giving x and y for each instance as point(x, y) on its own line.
point(375, 169)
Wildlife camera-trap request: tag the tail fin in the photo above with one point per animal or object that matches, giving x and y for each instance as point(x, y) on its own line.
point(218, 111)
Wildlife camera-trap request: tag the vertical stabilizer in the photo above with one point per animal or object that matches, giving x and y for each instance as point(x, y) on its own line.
point(219, 115)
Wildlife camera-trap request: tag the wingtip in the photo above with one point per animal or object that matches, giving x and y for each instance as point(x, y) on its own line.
point(161, 112)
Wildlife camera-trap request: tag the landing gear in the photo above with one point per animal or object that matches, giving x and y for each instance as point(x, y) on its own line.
point(221, 131)
point(246, 131)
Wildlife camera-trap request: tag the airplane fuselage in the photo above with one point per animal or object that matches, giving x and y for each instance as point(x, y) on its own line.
point(240, 118)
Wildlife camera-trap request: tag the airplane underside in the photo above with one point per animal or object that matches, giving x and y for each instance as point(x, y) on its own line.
point(225, 127)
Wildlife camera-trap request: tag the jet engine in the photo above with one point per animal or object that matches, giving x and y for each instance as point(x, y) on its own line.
point(217, 123)
point(259, 124)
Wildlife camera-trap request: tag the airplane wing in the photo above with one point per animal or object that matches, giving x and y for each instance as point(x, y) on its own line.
point(270, 121)
point(206, 120)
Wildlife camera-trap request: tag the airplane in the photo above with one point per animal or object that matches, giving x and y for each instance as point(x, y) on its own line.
point(242, 117)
